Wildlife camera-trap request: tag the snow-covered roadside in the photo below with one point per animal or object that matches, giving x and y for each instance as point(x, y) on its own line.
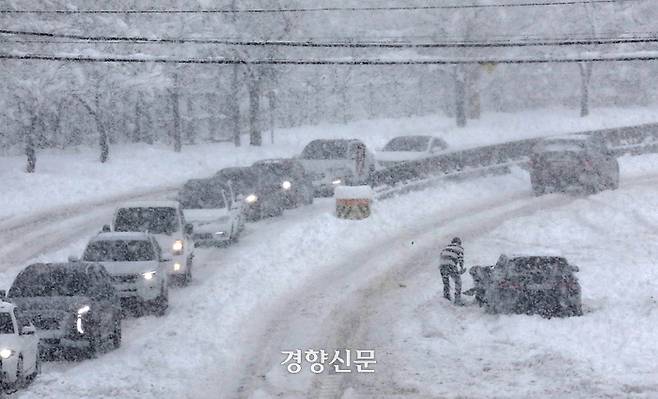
point(448, 352)
point(75, 177)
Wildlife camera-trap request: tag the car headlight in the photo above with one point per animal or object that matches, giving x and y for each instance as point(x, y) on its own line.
point(286, 185)
point(251, 198)
point(6, 353)
point(176, 266)
point(149, 275)
point(83, 310)
point(337, 182)
point(177, 246)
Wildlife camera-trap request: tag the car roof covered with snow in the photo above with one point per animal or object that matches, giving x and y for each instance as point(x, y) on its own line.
point(120, 236)
point(535, 255)
point(151, 204)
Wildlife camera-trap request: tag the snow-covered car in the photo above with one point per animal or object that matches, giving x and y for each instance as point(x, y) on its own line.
point(211, 207)
point(166, 222)
point(409, 148)
point(74, 306)
point(137, 266)
point(292, 179)
point(579, 161)
point(259, 199)
point(19, 347)
point(337, 162)
point(544, 285)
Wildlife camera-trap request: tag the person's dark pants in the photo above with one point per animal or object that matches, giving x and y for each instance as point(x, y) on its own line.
point(448, 272)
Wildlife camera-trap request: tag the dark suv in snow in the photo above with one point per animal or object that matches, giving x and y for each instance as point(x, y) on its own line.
point(578, 161)
point(291, 178)
point(74, 306)
point(544, 285)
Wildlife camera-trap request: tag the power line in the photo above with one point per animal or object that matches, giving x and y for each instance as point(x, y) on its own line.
point(323, 9)
point(646, 56)
point(287, 43)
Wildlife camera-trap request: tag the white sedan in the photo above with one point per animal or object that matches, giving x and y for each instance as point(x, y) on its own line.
point(409, 148)
point(19, 348)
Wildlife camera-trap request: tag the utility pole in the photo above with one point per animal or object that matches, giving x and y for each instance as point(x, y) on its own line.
point(178, 145)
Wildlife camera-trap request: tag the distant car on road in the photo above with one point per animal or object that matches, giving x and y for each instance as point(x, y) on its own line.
point(211, 206)
point(19, 348)
point(165, 220)
point(74, 306)
point(574, 162)
point(409, 148)
point(544, 285)
point(137, 266)
point(293, 180)
point(261, 199)
point(337, 162)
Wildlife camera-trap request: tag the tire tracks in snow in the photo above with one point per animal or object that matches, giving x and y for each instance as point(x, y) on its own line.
point(340, 321)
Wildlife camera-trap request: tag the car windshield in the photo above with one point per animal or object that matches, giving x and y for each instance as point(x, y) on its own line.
point(242, 181)
point(6, 323)
point(203, 194)
point(411, 143)
point(50, 282)
point(119, 251)
point(329, 149)
point(155, 220)
point(537, 265)
point(273, 173)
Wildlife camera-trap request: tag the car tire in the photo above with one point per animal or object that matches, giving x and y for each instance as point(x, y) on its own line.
point(188, 271)
point(94, 346)
point(37, 366)
point(116, 334)
point(161, 303)
point(20, 373)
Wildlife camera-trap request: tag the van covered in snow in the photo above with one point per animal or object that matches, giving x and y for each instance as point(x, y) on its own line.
point(335, 162)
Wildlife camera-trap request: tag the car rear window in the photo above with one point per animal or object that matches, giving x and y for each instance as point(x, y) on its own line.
point(50, 283)
point(412, 143)
point(119, 251)
point(6, 323)
point(537, 265)
point(202, 194)
point(323, 149)
point(155, 220)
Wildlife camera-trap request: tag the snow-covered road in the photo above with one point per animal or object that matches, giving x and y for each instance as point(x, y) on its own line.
point(310, 281)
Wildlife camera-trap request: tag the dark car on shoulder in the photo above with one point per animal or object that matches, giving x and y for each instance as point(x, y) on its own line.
point(74, 306)
point(544, 285)
point(579, 162)
point(295, 184)
point(252, 185)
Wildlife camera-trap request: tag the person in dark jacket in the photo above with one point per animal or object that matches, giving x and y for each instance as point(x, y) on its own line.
point(452, 266)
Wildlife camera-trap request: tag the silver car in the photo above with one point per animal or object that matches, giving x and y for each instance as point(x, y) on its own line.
point(573, 163)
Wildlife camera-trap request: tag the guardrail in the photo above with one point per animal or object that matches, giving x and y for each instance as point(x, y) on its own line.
point(496, 159)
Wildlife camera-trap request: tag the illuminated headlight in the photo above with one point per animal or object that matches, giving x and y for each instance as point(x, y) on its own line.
point(176, 266)
point(219, 233)
point(149, 275)
point(251, 198)
point(6, 353)
point(286, 185)
point(337, 182)
point(178, 246)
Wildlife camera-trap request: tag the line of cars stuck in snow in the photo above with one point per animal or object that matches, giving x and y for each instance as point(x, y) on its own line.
point(75, 309)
